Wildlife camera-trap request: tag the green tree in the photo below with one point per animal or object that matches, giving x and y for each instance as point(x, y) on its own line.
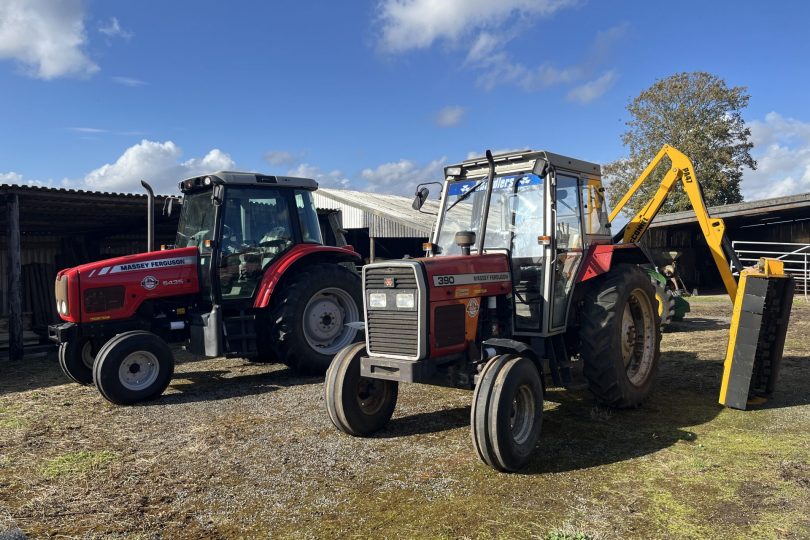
point(701, 116)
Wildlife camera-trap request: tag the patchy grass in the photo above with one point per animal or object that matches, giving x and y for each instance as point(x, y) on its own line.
point(242, 450)
point(76, 463)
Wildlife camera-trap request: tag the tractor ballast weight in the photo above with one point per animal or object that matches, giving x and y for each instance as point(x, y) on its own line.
point(248, 277)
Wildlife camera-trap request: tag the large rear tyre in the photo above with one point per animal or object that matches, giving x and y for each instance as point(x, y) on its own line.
point(76, 360)
point(621, 337)
point(310, 314)
point(507, 412)
point(133, 367)
point(357, 405)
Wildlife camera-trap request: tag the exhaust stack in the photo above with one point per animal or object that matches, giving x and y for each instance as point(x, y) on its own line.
point(150, 216)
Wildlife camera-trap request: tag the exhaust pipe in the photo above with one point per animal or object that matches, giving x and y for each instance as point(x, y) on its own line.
point(150, 216)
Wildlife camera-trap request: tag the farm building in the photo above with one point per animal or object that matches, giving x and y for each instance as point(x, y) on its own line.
point(778, 227)
point(46, 229)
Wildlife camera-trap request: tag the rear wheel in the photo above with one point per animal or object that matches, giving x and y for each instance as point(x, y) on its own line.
point(133, 367)
point(507, 412)
point(357, 405)
point(76, 360)
point(620, 337)
point(310, 315)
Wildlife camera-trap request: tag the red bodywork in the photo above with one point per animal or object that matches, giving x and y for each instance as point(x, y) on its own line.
point(463, 268)
point(277, 270)
point(599, 259)
point(144, 276)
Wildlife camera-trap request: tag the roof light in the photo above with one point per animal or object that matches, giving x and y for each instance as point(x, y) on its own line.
point(453, 171)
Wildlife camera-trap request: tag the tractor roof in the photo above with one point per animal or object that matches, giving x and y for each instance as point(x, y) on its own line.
point(247, 179)
point(520, 161)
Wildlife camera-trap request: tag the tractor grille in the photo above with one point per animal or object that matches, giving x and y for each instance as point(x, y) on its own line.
point(392, 331)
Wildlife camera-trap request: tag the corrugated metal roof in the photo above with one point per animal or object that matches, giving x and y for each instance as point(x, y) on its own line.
point(385, 216)
point(751, 208)
point(49, 190)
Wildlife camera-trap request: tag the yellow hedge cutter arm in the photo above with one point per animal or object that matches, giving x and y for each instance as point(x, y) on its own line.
point(762, 299)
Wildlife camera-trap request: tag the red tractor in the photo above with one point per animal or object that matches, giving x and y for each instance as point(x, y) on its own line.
point(248, 277)
point(524, 287)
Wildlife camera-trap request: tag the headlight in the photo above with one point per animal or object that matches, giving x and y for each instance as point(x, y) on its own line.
point(405, 300)
point(376, 300)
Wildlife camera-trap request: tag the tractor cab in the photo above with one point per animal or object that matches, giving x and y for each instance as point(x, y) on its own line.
point(241, 223)
point(541, 210)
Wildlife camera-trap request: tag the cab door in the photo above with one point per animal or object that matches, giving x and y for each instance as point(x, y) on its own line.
point(567, 245)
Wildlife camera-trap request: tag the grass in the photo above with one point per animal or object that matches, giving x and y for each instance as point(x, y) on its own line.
point(76, 463)
point(243, 450)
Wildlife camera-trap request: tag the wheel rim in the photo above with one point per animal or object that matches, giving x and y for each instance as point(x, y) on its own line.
point(138, 371)
point(371, 395)
point(325, 318)
point(638, 338)
point(87, 354)
point(521, 418)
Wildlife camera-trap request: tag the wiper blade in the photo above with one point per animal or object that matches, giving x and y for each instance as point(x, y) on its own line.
point(465, 196)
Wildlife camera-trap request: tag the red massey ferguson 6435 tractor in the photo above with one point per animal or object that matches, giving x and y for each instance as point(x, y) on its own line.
point(523, 285)
point(248, 277)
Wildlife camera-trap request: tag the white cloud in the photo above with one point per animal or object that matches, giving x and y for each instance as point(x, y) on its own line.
point(591, 90)
point(157, 163)
point(129, 81)
point(332, 179)
point(11, 178)
point(449, 116)
point(88, 130)
point(45, 37)
point(401, 177)
point(417, 24)
point(281, 158)
point(484, 28)
point(113, 29)
point(782, 151)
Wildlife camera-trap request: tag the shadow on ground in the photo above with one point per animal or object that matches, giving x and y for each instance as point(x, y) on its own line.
point(578, 434)
point(691, 324)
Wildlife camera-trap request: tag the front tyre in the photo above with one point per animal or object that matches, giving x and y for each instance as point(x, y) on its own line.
point(507, 412)
point(310, 315)
point(76, 360)
point(357, 405)
point(133, 367)
point(620, 337)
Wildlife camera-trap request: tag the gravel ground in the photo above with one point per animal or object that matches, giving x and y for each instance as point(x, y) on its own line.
point(235, 449)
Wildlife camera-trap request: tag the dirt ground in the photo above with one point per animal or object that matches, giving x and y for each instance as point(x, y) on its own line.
point(236, 450)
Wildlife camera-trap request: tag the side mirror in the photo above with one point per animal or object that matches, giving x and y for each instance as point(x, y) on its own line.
point(420, 198)
point(218, 194)
point(540, 167)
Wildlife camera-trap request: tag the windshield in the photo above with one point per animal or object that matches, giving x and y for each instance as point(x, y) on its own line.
point(515, 214)
point(196, 221)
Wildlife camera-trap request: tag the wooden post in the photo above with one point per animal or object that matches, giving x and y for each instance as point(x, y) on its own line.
point(15, 324)
point(371, 249)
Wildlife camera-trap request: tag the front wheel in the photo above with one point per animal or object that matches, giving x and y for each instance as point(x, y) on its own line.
point(76, 360)
point(357, 405)
point(507, 412)
point(133, 367)
point(310, 315)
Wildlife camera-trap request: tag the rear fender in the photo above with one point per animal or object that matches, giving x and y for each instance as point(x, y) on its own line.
point(602, 257)
point(296, 258)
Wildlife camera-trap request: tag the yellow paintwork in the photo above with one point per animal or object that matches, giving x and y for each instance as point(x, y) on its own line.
point(713, 228)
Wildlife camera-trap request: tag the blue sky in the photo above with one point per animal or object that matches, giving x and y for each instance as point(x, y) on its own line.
point(374, 95)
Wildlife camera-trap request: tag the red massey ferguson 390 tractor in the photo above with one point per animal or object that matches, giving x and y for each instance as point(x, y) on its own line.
point(249, 277)
point(523, 287)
